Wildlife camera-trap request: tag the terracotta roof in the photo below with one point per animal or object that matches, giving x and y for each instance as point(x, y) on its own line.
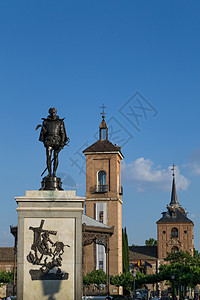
point(6, 254)
point(142, 252)
point(102, 146)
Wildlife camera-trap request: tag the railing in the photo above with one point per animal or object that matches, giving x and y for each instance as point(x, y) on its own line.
point(103, 189)
point(95, 290)
point(99, 189)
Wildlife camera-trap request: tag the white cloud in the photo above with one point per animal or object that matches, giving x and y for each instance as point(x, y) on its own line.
point(195, 167)
point(194, 164)
point(143, 174)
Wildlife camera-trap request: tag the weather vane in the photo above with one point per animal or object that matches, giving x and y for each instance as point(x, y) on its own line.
point(103, 111)
point(173, 169)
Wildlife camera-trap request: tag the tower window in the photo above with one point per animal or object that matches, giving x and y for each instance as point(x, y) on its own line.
point(102, 181)
point(101, 265)
point(174, 232)
point(101, 216)
point(185, 231)
point(174, 249)
point(164, 232)
point(103, 133)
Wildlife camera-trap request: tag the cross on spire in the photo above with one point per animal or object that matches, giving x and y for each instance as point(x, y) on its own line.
point(103, 111)
point(173, 169)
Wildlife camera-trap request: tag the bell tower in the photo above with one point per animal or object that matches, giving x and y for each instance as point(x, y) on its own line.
point(104, 198)
point(174, 229)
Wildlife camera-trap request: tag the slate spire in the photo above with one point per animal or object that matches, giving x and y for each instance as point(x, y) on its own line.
point(174, 199)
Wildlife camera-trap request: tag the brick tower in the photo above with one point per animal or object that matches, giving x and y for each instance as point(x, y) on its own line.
point(174, 229)
point(104, 199)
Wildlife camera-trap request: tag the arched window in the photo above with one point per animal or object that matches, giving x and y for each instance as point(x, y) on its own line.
point(174, 232)
point(174, 249)
point(101, 181)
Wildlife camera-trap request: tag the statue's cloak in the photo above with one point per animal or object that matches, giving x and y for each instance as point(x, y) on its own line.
point(44, 132)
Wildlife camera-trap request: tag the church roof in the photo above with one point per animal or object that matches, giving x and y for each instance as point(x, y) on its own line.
point(142, 252)
point(174, 216)
point(176, 213)
point(6, 254)
point(102, 146)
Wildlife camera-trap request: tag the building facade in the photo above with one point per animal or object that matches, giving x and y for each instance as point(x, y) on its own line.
point(174, 229)
point(104, 199)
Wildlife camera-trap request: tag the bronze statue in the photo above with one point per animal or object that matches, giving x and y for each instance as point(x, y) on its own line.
point(54, 137)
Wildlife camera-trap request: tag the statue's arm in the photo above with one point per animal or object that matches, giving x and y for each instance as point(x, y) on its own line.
point(42, 132)
point(63, 133)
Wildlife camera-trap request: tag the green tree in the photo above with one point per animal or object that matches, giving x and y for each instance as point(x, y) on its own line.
point(6, 277)
point(126, 280)
point(95, 277)
point(183, 265)
point(151, 242)
point(125, 251)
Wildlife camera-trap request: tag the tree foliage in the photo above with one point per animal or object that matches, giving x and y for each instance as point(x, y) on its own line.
point(95, 277)
point(125, 280)
point(6, 277)
point(183, 265)
point(151, 242)
point(125, 251)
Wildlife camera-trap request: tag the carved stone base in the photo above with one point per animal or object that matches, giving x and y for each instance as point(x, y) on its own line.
point(61, 212)
point(52, 183)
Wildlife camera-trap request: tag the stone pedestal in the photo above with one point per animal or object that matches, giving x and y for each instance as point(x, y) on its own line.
point(49, 262)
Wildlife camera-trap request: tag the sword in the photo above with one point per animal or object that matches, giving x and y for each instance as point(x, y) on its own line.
point(46, 168)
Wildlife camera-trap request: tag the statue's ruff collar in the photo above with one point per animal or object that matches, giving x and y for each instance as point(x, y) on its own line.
point(51, 119)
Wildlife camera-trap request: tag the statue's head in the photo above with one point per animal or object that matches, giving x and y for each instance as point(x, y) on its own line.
point(52, 112)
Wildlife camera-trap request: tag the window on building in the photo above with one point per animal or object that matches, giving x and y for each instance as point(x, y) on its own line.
point(102, 181)
point(118, 182)
point(174, 249)
point(101, 216)
point(101, 265)
point(174, 232)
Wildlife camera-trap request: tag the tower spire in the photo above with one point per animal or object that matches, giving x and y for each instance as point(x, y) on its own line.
point(103, 129)
point(174, 199)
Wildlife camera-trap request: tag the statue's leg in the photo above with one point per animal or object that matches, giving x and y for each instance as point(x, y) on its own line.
point(55, 163)
point(48, 153)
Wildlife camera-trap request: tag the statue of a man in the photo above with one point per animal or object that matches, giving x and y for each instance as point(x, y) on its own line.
point(54, 137)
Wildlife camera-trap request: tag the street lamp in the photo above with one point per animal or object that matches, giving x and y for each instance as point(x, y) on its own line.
point(134, 275)
point(173, 291)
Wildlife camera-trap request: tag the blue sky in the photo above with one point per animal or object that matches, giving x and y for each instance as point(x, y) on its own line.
point(76, 55)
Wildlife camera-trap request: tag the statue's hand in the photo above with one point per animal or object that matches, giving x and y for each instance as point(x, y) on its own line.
point(62, 144)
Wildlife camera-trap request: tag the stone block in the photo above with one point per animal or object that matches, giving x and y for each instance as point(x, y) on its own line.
point(49, 262)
